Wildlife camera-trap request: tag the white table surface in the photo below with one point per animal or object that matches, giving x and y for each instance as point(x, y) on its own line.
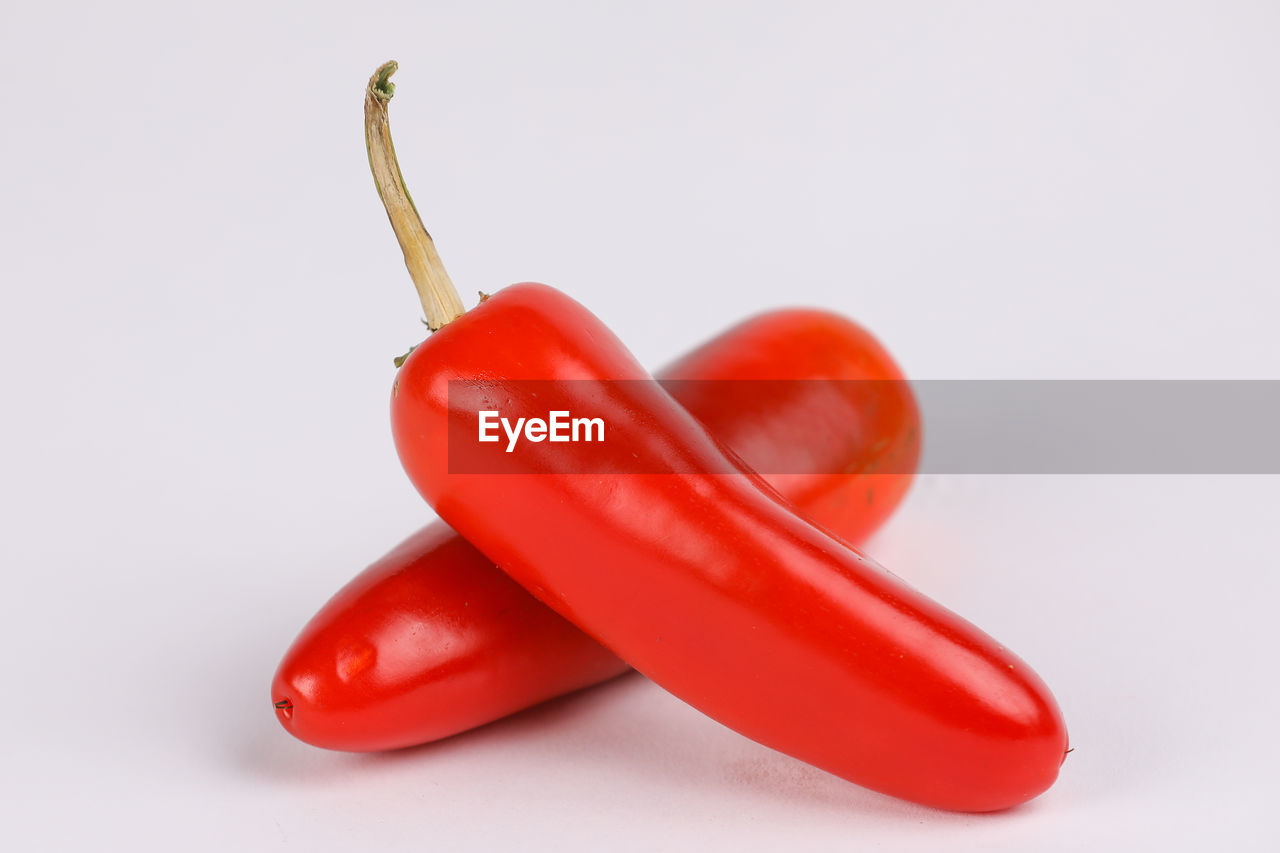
point(202, 299)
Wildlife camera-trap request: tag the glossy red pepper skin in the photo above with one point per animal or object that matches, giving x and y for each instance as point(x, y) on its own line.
point(714, 588)
point(433, 639)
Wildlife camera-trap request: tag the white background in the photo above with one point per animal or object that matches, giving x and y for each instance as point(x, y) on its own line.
point(202, 299)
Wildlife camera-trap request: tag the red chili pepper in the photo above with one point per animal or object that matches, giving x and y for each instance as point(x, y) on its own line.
point(433, 639)
point(705, 582)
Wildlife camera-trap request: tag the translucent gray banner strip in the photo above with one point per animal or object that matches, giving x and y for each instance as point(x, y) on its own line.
point(817, 426)
point(1100, 427)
